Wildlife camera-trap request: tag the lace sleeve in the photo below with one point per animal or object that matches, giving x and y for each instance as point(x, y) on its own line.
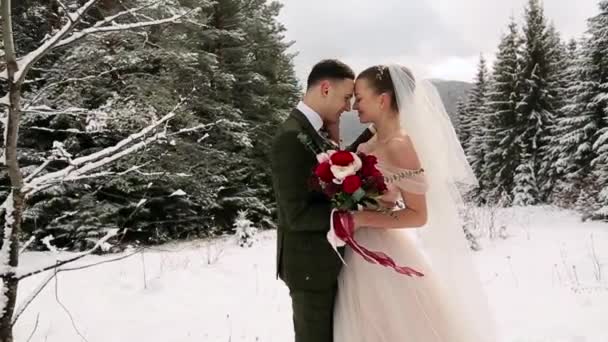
point(413, 181)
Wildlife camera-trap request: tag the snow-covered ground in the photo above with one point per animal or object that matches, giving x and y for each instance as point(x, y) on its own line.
point(543, 281)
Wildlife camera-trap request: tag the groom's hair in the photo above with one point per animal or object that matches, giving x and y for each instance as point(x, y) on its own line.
point(329, 69)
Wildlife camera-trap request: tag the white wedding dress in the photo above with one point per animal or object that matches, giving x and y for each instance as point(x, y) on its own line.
point(377, 304)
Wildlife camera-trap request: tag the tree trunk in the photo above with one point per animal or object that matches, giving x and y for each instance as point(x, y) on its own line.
point(13, 212)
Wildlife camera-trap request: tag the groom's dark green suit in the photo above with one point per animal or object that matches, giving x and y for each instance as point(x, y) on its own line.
point(305, 260)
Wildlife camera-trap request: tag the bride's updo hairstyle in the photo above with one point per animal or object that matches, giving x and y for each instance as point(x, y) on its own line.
point(379, 79)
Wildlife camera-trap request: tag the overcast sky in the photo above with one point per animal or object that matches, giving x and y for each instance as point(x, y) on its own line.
point(442, 38)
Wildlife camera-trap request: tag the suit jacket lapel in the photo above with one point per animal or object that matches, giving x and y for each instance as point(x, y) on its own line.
point(309, 130)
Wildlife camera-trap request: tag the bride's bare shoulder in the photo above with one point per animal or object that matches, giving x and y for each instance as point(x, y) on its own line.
point(401, 153)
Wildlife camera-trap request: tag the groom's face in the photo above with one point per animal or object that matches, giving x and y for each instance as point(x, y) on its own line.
point(338, 98)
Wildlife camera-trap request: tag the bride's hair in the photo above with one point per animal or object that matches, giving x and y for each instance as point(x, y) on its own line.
point(379, 79)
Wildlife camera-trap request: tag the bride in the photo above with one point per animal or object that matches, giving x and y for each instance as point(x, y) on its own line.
point(377, 304)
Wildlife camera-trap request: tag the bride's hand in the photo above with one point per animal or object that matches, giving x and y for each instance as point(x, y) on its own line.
point(386, 204)
point(382, 204)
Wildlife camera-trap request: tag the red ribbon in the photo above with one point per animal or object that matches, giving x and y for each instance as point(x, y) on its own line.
point(344, 227)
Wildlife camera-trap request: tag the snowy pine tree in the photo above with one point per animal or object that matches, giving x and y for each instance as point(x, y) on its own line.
point(469, 112)
point(596, 94)
point(230, 65)
point(503, 153)
point(461, 108)
point(537, 107)
point(465, 126)
point(559, 77)
point(525, 192)
point(478, 122)
point(244, 230)
point(574, 134)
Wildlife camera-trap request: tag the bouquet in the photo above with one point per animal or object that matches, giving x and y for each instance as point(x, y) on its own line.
point(352, 182)
point(349, 179)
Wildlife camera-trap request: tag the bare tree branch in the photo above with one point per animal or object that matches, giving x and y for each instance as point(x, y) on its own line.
point(15, 72)
point(61, 38)
point(38, 170)
point(69, 130)
point(78, 268)
point(197, 128)
point(66, 309)
point(81, 165)
point(116, 27)
point(72, 173)
point(78, 167)
point(46, 110)
point(25, 63)
point(35, 328)
point(27, 244)
point(43, 91)
point(131, 11)
point(111, 233)
point(27, 301)
point(14, 204)
point(65, 8)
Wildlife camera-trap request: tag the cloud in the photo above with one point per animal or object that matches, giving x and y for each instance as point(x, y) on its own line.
point(441, 37)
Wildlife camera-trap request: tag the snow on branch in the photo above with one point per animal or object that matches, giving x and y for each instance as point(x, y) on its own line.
point(199, 127)
point(101, 244)
point(69, 130)
point(38, 170)
point(64, 7)
point(27, 244)
point(48, 111)
point(25, 63)
point(132, 11)
point(43, 91)
point(81, 168)
point(118, 27)
point(67, 34)
point(27, 301)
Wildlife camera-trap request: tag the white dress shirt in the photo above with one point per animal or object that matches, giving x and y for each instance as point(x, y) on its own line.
point(313, 117)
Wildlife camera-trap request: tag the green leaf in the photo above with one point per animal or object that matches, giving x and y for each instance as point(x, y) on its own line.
point(358, 195)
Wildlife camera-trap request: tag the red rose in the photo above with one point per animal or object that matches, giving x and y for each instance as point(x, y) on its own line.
point(331, 189)
point(351, 184)
point(369, 160)
point(342, 158)
point(369, 170)
point(380, 184)
point(323, 171)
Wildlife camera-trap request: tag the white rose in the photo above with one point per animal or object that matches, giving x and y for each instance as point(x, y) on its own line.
point(341, 172)
point(325, 156)
point(322, 158)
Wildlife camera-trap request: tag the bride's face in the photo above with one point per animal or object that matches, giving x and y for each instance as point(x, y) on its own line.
point(367, 102)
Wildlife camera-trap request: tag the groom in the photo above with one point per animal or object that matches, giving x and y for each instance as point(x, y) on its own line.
point(305, 260)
